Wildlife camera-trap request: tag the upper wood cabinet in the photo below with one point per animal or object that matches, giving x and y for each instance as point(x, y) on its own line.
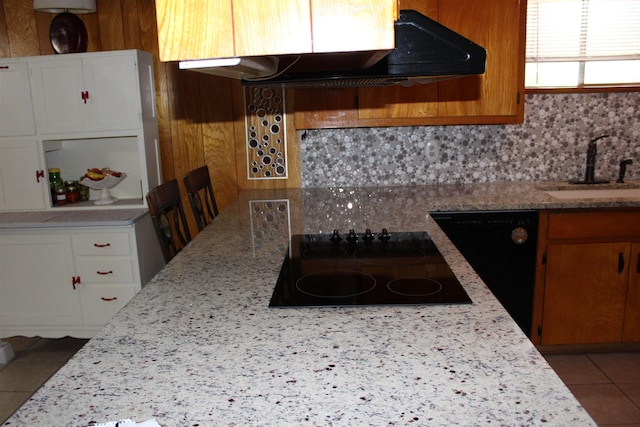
point(494, 97)
point(201, 29)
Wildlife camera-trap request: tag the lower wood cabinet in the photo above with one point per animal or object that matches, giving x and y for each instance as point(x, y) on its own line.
point(591, 280)
point(56, 282)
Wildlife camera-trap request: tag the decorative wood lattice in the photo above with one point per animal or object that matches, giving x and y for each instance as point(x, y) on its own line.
point(265, 133)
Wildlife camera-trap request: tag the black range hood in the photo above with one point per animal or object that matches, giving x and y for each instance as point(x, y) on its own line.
point(426, 51)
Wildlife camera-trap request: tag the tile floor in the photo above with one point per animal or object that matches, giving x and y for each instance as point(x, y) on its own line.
point(37, 359)
point(607, 384)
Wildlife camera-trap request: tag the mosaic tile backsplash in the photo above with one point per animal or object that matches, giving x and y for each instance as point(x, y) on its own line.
point(550, 145)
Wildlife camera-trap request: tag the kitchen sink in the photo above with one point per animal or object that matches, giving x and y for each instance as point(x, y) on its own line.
point(596, 193)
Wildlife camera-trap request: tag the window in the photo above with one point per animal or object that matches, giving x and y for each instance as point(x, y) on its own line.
point(582, 43)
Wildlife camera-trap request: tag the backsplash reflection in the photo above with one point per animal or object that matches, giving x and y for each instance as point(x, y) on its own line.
point(550, 145)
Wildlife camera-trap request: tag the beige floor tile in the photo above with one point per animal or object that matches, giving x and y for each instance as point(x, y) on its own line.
point(53, 350)
point(576, 369)
point(21, 344)
point(619, 367)
point(10, 401)
point(606, 403)
point(27, 376)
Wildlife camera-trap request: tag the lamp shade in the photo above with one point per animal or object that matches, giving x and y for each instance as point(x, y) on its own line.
point(59, 6)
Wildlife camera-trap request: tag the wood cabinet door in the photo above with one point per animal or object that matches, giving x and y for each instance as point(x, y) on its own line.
point(585, 293)
point(272, 27)
point(16, 111)
point(37, 281)
point(194, 29)
point(631, 331)
point(498, 26)
point(20, 187)
point(354, 25)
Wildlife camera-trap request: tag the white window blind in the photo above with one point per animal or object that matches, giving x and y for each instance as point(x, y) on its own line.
point(575, 43)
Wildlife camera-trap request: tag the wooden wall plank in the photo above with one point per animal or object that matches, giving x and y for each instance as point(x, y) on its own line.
point(21, 28)
point(130, 24)
point(111, 27)
point(5, 50)
point(218, 140)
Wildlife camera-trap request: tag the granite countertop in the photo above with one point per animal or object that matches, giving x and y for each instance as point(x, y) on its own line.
point(199, 346)
point(69, 218)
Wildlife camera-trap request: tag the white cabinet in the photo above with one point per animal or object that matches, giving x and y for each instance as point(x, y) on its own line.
point(37, 285)
point(91, 93)
point(82, 111)
point(23, 183)
point(71, 281)
point(16, 113)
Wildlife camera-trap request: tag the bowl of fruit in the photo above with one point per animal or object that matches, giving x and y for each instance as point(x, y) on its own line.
point(104, 180)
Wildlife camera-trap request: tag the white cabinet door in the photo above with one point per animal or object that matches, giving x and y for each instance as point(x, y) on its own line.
point(16, 112)
point(92, 93)
point(113, 95)
point(58, 89)
point(37, 281)
point(22, 182)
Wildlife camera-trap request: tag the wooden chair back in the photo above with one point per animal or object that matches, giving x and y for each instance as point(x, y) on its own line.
point(201, 198)
point(169, 218)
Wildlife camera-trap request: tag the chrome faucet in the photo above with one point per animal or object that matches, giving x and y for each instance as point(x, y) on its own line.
point(592, 151)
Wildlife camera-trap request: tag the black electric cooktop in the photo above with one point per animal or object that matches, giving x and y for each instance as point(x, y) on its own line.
point(365, 269)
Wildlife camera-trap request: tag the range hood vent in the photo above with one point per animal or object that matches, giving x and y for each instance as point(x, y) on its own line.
point(426, 51)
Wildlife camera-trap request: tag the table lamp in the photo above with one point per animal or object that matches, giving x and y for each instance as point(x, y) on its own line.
point(67, 32)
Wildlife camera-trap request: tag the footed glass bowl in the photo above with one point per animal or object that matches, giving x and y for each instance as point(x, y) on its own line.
point(104, 185)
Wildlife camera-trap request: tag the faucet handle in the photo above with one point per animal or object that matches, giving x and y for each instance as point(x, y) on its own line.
point(623, 169)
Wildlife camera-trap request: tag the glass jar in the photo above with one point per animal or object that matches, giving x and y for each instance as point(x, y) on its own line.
point(61, 196)
point(83, 193)
point(55, 182)
point(72, 194)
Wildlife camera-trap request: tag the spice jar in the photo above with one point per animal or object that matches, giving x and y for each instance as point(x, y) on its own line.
point(61, 196)
point(83, 193)
point(72, 194)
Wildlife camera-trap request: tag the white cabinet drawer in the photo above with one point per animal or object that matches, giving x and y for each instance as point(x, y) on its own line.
point(101, 244)
point(105, 270)
point(100, 304)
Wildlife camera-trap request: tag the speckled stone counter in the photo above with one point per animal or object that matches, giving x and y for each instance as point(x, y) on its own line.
point(198, 346)
point(70, 218)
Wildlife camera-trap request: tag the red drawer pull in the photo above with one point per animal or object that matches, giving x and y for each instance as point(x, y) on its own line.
point(102, 245)
point(108, 299)
point(104, 273)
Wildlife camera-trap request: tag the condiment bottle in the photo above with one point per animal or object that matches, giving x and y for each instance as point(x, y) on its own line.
point(72, 194)
point(55, 182)
point(61, 196)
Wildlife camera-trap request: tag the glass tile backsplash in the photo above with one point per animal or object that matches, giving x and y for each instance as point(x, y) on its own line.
point(550, 145)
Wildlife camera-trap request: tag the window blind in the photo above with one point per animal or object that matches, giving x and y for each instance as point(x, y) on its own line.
point(575, 34)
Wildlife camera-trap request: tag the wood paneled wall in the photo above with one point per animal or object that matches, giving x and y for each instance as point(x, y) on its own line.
point(201, 117)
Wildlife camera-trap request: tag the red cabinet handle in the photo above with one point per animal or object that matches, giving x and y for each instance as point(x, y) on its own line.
point(102, 245)
point(39, 174)
point(104, 273)
point(75, 280)
point(108, 299)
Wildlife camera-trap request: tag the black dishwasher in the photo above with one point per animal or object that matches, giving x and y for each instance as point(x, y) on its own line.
point(501, 248)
